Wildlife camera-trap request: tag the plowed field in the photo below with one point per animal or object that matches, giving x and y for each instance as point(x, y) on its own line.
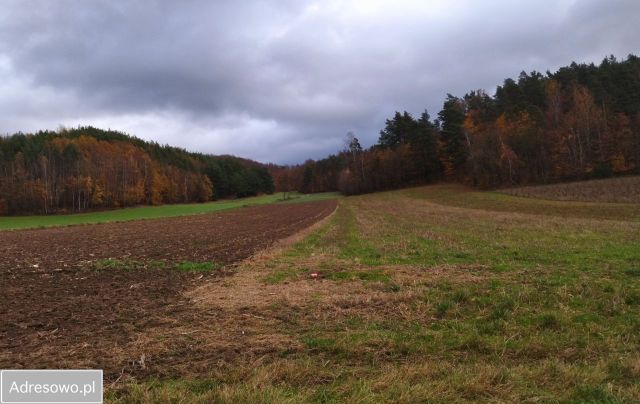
point(85, 296)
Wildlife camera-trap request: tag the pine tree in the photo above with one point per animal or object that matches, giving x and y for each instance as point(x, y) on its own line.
point(455, 141)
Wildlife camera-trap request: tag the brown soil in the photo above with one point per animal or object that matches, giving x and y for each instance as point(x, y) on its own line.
point(59, 311)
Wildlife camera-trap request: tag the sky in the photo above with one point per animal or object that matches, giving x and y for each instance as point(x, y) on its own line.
point(280, 81)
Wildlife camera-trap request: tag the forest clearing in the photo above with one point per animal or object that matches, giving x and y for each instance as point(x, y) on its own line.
point(437, 292)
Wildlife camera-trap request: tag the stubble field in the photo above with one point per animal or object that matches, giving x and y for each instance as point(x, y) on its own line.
point(622, 189)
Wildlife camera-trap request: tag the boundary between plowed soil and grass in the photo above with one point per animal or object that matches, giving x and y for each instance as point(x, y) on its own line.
point(429, 294)
point(121, 309)
point(152, 212)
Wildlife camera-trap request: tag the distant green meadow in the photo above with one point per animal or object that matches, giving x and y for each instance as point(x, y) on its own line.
point(153, 212)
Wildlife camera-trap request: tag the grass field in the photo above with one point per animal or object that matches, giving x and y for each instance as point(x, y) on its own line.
point(150, 212)
point(429, 294)
point(623, 189)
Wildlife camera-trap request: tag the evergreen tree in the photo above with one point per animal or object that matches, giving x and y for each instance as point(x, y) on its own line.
point(424, 148)
point(452, 134)
point(398, 130)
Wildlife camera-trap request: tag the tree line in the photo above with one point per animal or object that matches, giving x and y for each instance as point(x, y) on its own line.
point(73, 170)
point(580, 122)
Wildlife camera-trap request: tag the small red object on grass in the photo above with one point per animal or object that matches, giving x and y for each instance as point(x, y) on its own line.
point(314, 275)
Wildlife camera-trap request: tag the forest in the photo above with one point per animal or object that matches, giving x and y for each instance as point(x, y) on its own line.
point(74, 170)
point(581, 122)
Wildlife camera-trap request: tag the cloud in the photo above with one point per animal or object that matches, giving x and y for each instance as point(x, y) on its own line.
point(279, 81)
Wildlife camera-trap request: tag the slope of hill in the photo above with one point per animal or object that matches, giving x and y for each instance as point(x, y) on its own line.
point(89, 168)
point(620, 190)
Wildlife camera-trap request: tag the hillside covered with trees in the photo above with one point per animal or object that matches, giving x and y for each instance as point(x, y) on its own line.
point(74, 170)
point(580, 122)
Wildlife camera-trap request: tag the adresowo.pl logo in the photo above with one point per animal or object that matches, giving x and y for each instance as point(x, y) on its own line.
point(51, 386)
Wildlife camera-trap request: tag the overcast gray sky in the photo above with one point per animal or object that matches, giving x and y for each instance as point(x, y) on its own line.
point(280, 81)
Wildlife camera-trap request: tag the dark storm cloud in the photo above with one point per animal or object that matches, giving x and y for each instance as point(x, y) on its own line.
point(279, 81)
